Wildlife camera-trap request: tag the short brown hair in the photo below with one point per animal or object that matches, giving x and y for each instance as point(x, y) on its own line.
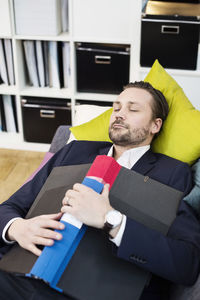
point(159, 106)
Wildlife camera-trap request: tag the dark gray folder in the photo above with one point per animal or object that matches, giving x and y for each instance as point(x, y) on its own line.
point(94, 272)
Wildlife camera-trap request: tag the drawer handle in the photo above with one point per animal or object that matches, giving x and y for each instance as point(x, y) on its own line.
point(47, 113)
point(102, 59)
point(166, 29)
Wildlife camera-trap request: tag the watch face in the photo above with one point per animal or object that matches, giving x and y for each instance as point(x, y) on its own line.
point(114, 217)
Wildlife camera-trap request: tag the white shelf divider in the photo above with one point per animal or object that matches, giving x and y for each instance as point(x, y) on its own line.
point(64, 93)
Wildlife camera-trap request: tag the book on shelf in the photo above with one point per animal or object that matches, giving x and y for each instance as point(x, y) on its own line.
point(9, 61)
point(48, 63)
point(66, 63)
point(3, 66)
point(6, 62)
point(2, 113)
point(40, 62)
point(14, 110)
point(31, 62)
point(54, 79)
point(1, 81)
point(60, 64)
point(8, 114)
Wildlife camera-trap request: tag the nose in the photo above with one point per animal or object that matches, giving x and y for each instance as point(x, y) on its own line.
point(120, 114)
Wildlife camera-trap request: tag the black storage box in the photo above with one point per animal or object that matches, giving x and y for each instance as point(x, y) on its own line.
point(42, 116)
point(170, 39)
point(102, 68)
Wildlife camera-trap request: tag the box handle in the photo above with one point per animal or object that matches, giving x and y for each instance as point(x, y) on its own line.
point(47, 113)
point(102, 59)
point(168, 29)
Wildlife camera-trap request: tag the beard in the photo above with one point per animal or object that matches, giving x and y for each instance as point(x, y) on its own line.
point(127, 136)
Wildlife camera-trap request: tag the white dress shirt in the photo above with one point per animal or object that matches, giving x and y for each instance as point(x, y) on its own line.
point(127, 160)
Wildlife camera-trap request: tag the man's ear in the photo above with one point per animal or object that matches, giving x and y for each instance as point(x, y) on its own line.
point(156, 126)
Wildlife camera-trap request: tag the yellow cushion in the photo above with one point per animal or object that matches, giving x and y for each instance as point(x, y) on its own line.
point(94, 130)
point(180, 136)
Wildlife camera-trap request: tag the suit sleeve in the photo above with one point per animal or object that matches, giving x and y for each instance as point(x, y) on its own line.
point(175, 257)
point(19, 203)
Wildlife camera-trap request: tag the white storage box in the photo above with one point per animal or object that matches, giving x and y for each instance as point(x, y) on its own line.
point(38, 17)
point(106, 20)
point(5, 25)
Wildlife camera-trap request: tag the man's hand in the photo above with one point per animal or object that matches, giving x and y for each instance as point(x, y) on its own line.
point(86, 205)
point(36, 231)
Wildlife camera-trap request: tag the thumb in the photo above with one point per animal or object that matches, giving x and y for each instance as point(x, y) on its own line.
point(58, 216)
point(105, 191)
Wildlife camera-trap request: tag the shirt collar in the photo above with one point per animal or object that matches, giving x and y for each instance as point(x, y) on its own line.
point(131, 156)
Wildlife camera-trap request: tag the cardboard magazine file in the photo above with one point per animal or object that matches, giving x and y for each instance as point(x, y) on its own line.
point(51, 264)
point(94, 272)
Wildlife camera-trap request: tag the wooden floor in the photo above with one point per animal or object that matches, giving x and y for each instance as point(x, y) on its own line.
point(15, 167)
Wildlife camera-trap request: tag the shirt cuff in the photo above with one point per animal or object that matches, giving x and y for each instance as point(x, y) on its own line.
point(5, 230)
point(117, 240)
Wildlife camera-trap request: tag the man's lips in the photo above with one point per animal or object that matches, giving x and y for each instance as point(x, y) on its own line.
point(118, 125)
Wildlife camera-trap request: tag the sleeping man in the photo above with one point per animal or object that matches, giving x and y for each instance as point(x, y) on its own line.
point(138, 115)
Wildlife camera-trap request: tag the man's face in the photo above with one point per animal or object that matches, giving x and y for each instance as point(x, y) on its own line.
point(131, 121)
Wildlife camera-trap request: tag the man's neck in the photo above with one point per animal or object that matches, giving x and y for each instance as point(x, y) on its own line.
point(119, 150)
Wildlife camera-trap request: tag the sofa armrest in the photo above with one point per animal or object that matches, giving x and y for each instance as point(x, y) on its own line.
point(179, 292)
point(60, 138)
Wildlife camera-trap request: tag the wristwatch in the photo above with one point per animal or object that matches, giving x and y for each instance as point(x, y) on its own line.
point(113, 218)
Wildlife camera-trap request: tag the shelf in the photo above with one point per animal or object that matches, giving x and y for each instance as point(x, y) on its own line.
point(94, 96)
point(8, 89)
point(64, 36)
point(88, 22)
point(10, 140)
point(46, 92)
point(6, 36)
point(99, 40)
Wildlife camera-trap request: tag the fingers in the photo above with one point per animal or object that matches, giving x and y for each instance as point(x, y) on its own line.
point(38, 240)
point(65, 200)
point(49, 234)
point(78, 187)
point(105, 191)
point(44, 237)
point(56, 216)
point(44, 222)
point(72, 195)
point(32, 248)
point(67, 209)
point(44, 233)
point(40, 230)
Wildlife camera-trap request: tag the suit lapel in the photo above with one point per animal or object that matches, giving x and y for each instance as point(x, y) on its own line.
point(104, 151)
point(145, 163)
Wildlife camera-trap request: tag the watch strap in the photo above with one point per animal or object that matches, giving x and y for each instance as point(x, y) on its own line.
point(107, 228)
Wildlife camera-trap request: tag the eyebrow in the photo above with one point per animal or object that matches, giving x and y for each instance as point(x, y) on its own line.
point(130, 102)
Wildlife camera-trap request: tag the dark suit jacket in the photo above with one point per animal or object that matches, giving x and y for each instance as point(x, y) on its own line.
point(175, 257)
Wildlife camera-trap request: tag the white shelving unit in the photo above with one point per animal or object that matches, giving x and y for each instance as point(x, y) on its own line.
point(113, 21)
